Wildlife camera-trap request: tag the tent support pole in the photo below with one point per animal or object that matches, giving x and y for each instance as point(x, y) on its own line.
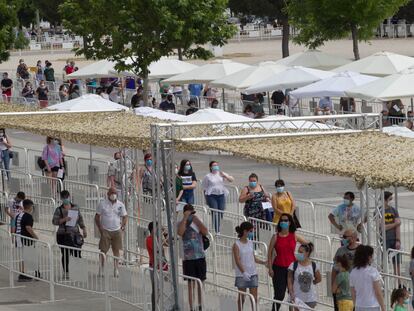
point(412, 104)
point(268, 101)
point(90, 164)
point(223, 98)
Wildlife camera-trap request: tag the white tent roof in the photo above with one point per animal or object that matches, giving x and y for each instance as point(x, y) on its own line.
point(100, 69)
point(379, 64)
point(398, 131)
point(294, 77)
point(334, 86)
point(88, 102)
point(155, 113)
point(208, 72)
point(314, 59)
point(211, 114)
point(396, 86)
point(167, 67)
point(247, 77)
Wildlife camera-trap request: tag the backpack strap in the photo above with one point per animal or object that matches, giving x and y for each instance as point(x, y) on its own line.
point(314, 268)
point(295, 267)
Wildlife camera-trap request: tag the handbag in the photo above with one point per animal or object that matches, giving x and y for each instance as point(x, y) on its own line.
point(75, 240)
point(206, 242)
point(40, 162)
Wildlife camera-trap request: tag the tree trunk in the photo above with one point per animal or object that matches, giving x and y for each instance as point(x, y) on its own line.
point(354, 31)
point(146, 88)
point(285, 37)
point(180, 54)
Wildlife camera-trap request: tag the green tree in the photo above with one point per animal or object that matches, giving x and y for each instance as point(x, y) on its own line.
point(201, 22)
point(407, 12)
point(49, 10)
point(26, 13)
point(8, 21)
point(135, 33)
point(322, 20)
point(266, 8)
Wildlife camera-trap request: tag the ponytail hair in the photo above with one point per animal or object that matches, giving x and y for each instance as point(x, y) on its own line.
point(244, 226)
point(397, 294)
point(308, 248)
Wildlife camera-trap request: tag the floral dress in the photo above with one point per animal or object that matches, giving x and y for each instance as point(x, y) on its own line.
point(253, 207)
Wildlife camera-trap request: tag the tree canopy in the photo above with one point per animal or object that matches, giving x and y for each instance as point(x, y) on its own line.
point(322, 20)
point(134, 36)
point(8, 21)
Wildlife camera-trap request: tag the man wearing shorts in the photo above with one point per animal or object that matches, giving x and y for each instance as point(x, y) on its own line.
point(14, 207)
point(192, 230)
point(111, 219)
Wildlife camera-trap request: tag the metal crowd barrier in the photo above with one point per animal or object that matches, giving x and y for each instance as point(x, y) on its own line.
point(223, 222)
point(95, 171)
point(33, 259)
point(43, 210)
point(4, 201)
point(85, 195)
point(225, 265)
point(224, 298)
point(46, 187)
point(19, 160)
point(305, 211)
point(6, 249)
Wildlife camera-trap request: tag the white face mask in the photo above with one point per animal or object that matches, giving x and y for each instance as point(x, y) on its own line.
point(113, 197)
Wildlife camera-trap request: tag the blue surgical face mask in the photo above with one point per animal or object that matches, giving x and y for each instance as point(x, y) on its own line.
point(284, 225)
point(215, 168)
point(300, 256)
point(347, 202)
point(250, 235)
point(148, 162)
point(66, 201)
point(187, 168)
point(345, 242)
point(280, 189)
point(407, 301)
point(252, 184)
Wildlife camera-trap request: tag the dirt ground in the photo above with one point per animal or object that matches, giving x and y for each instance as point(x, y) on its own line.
point(249, 52)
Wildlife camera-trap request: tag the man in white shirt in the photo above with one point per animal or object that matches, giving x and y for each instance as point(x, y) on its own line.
point(111, 219)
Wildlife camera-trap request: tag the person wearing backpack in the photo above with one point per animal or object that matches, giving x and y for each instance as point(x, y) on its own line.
point(303, 275)
point(245, 263)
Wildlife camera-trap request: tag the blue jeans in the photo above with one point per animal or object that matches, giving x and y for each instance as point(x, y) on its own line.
point(188, 196)
point(5, 158)
point(216, 202)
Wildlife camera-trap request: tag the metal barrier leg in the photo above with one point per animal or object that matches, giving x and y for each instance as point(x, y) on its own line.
point(52, 276)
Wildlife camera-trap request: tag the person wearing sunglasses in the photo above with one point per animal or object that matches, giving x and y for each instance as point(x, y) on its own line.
point(282, 245)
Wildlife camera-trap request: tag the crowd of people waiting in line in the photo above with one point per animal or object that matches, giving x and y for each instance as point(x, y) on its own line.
point(355, 283)
point(290, 269)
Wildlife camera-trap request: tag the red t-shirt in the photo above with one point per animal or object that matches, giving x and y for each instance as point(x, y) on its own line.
point(285, 250)
point(150, 250)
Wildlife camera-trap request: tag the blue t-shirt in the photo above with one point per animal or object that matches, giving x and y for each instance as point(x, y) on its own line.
point(195, 89)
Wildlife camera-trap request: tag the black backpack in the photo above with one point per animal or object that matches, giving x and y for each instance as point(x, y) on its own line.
point(295, 267)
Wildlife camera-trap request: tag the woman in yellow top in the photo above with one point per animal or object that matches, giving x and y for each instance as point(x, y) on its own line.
point(282, 201)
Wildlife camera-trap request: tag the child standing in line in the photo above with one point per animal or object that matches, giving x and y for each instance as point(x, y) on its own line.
point(341, 285)
point(400, 298)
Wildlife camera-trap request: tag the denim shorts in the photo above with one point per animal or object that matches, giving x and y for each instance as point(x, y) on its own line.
point(241, 283)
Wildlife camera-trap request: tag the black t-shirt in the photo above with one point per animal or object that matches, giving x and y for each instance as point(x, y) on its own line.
point(26, 221)
point(278, 97)
point(6, 82)
point(42, 93)
point(166, 105)
point(188, 178)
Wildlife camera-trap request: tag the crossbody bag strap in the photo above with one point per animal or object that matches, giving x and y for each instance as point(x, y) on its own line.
point(61, 214)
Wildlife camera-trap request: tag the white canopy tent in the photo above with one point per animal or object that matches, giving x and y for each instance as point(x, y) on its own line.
point(334, 86)
point(208, 72)
point(314, 59)
point(100, 69)
point(294, 77)
point(396, 86)
point(88, 102)
point(379, 64)
point(164, 68)
point(249, 76)
point(211, 114)
point(156, 113)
